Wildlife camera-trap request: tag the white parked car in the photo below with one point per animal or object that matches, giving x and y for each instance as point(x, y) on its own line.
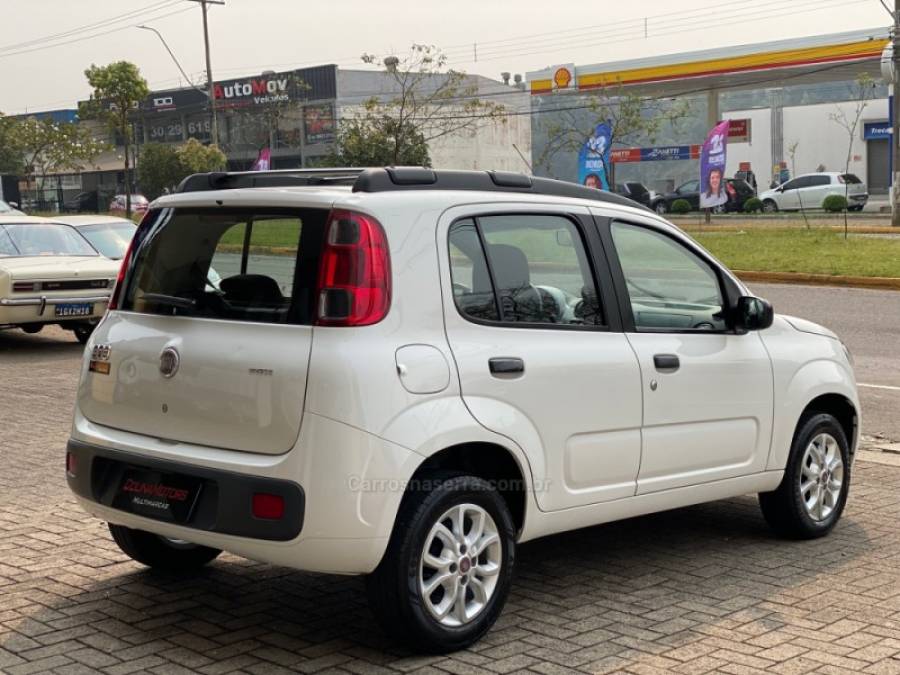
point(50, 274)
point(810, 190)
point(7, 209)
point(110, 235)
point(430, 368)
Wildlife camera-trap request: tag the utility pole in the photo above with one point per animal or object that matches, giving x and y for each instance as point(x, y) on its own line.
point(895, 118)
point(209, 78)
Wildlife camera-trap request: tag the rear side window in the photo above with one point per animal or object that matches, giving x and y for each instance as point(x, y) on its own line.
point(232, 264)
point(849, 178)
point(523, 269)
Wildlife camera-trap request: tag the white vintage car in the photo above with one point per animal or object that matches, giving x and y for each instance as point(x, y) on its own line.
point(50, 274)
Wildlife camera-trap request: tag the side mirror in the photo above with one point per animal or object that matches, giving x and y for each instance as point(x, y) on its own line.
point(753, 313)
point(564, 238)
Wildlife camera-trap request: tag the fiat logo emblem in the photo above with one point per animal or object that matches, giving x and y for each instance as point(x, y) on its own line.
point(169, 362)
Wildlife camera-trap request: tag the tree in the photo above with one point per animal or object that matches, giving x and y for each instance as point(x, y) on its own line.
point(10, 149)
point(792, 153)
point(118, 88)
point(428, 101)
point(195, 157)
point(861, 93)
point(49, 147)
point(632, 119)
point(159, 169)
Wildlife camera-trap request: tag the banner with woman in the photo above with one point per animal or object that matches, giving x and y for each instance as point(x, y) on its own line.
point(593, 158)
point(712, 167)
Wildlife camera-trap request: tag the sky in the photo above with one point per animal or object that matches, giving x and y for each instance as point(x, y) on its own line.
point(45, 45)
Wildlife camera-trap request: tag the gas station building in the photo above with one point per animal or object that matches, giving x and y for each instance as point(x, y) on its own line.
point(784, 99)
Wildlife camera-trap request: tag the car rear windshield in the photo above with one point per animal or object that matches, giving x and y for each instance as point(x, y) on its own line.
point(42, 239)
point(236, 264)
point(849, 178)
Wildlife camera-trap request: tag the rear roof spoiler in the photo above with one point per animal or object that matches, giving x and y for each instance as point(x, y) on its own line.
point(393, 179)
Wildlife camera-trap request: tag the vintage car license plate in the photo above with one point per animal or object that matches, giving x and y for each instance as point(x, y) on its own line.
point(75, 309)
point(157, 495)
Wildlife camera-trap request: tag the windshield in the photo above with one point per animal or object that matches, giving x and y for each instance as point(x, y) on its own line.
point(42, 239)
point(111, 239)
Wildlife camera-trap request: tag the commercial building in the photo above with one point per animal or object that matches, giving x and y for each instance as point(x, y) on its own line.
point(296, 114)
point(787, 100)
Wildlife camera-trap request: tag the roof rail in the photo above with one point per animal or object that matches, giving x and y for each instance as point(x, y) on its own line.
point(391, 179)
point(230, 180)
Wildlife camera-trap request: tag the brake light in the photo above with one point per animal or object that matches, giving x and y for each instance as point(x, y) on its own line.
point(354, 286)
point(120, 279)
point(268, 507)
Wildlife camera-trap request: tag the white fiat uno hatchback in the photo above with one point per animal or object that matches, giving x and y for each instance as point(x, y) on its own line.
point(404, 373)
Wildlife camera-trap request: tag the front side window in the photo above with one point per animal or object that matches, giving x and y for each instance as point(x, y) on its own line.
point(690, 186)
point(816, 181)
point(670, 288)
point(523, 269)
point(44, 239)
point(232, 264)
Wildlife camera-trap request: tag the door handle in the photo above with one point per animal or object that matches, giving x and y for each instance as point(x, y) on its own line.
point(666, 362)
point(506, 366)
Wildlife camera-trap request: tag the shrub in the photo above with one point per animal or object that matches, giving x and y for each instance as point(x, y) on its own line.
point(753, 205)
point(681, 206)
point(835, 203)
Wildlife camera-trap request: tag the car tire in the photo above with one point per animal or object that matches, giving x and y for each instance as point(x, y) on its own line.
point(159, 553)
point(83, 332)
point(661, 208)
point(811, 497)
point(398, 588)
point(769, 206)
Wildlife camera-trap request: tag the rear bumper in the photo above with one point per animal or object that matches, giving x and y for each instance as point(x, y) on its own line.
point(352, 484)
point(224, 503)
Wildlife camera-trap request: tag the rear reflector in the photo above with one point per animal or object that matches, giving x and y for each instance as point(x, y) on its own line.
point(71, 464)
point(354, 286)
point(268, 507)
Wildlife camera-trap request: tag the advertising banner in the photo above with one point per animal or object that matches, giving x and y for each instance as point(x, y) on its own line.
point(657, 154)
point(264, 161)
point(712, 167)
point(318, 122)
point(593, 158)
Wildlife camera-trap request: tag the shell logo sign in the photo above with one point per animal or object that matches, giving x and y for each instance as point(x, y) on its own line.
point(563, 78)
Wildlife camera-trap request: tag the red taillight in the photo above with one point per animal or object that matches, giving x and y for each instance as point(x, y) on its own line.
point(354, 273)
point(268, 507)
point(731, 189)
point(71, 464)
point(120, 279)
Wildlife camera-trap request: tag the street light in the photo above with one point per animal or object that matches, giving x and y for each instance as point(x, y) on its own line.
point(166, 45)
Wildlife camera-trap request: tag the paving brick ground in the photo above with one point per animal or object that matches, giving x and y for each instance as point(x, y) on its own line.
point(702, 589)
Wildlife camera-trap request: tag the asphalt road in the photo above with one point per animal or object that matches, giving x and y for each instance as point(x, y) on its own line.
point(869, 324)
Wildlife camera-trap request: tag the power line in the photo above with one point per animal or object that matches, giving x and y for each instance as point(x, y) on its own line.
point(93, 35)
point(92, 26)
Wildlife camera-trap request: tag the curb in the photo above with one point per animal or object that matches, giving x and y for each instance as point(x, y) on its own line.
point(881, 283)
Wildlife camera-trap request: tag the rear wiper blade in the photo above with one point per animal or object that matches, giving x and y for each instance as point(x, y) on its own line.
point(173, 300)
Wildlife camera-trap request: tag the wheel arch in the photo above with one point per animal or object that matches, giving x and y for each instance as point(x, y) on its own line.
point(841, 408)
point(489, 461)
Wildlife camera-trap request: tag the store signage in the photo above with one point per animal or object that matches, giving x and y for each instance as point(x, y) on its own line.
point(873, 131)
point(739, 131)
point(254, 91)
point(564, 77)
point(658, 154)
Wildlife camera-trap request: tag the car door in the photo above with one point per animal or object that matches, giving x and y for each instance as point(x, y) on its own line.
point(691, 192)
point(533, 325)
point(814, 191)
point(788, 199)
point(707, 390)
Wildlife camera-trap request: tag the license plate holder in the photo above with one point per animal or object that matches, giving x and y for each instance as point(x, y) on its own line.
point(69, 309)
point(155, 494)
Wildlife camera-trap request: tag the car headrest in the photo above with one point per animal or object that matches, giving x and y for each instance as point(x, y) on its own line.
point(510, 268)
point(251, 288)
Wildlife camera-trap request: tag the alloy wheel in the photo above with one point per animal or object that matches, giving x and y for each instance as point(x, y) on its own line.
point(821, 476)
point(460, 565)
